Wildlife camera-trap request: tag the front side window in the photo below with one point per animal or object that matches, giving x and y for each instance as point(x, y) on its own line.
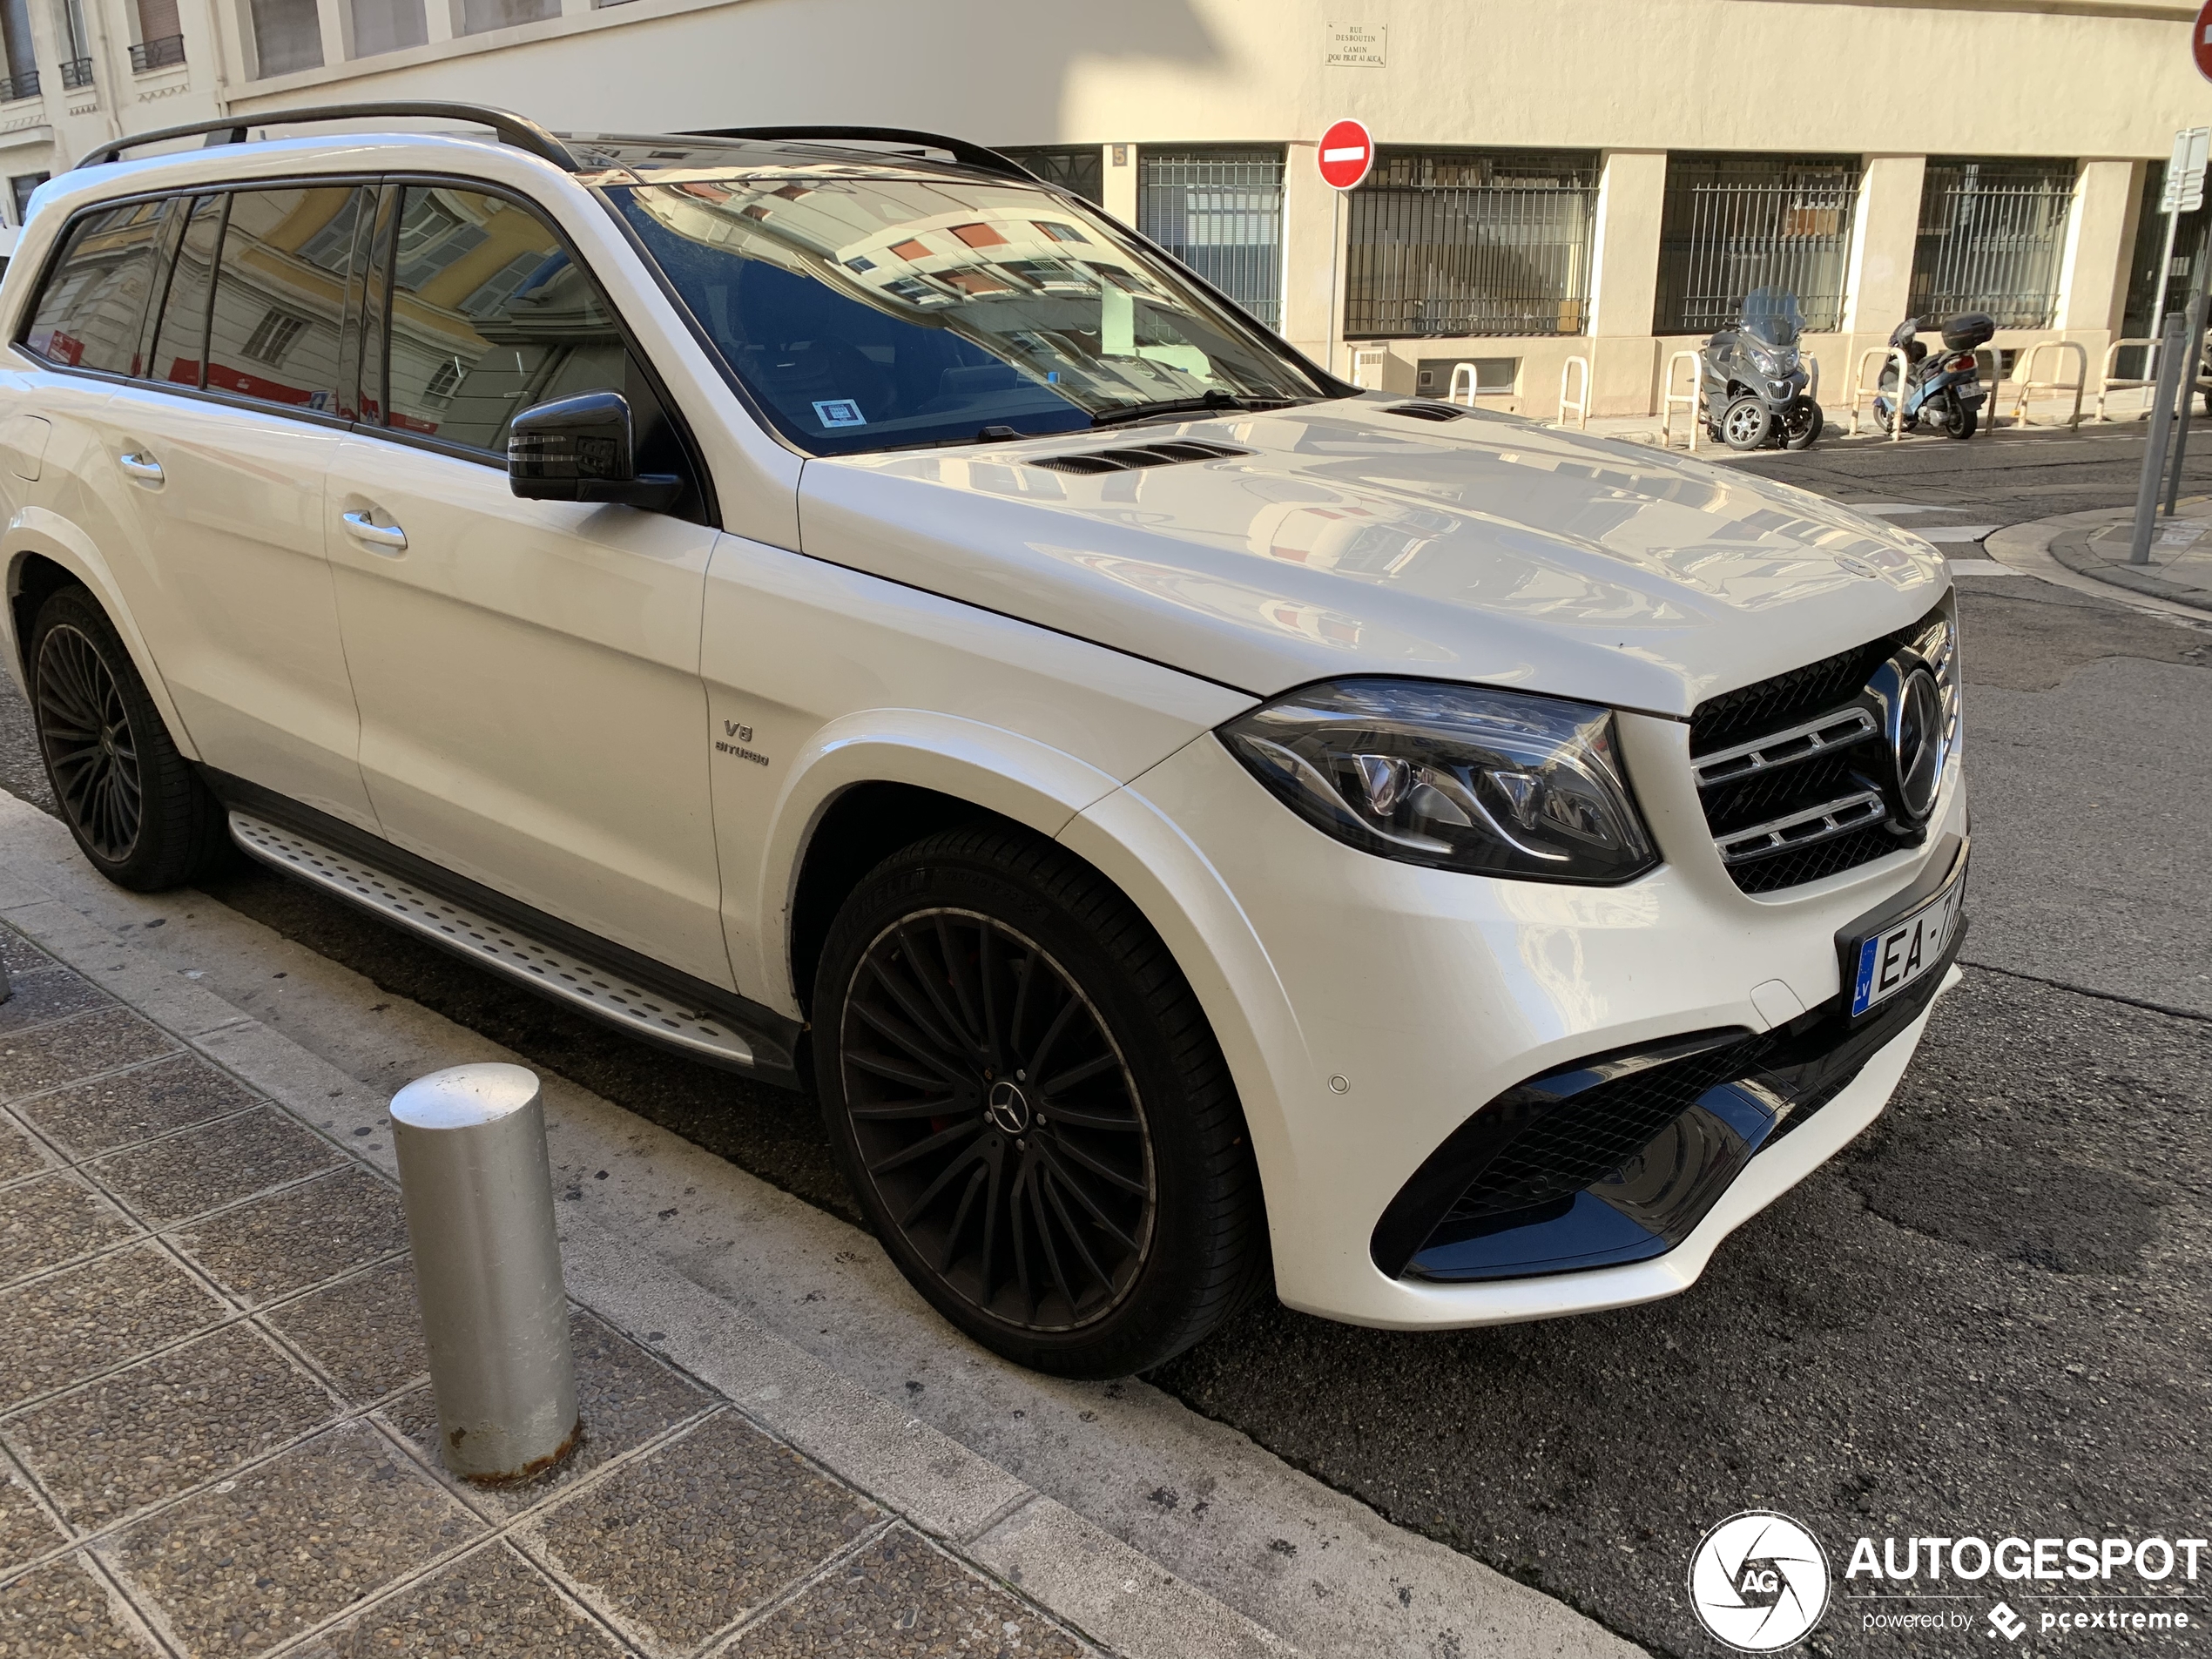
point(489, 316)
point(94, 303)
point(274, 328)
point(872, 313)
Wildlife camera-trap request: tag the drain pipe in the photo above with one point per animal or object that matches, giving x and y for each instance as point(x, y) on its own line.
point(473, 1176)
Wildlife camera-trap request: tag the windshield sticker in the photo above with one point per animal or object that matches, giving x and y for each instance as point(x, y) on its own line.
point(840, 411)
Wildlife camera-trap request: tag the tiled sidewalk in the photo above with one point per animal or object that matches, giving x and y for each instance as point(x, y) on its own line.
point(218, 1439)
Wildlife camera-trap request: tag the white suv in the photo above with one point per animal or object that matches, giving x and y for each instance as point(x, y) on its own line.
point(827, 600)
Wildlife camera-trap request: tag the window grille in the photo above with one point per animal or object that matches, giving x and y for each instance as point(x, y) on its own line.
point(14, 87)
point(163, 52)
point(1735, 223)
point(1463, 242)
point(1220, 212)
point(1991, 236)
point(1073, 167)
point(77, 72)
point(273, 336)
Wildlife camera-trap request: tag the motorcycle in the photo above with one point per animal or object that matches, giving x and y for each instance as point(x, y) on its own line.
point(1754, 385)
point(1943, 386)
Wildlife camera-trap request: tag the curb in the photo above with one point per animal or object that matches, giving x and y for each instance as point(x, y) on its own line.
point(1037, 1482)
point(2029, 547)
point(2080, 551)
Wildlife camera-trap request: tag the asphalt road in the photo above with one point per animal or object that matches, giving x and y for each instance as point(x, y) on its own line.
point(1989, 1317)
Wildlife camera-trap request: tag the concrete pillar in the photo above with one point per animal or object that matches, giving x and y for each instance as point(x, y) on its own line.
point(438, 21)
point(2093, 278)
point(337, 29)
point(1120, 186)
point(1311, 256)
point(1624, 282)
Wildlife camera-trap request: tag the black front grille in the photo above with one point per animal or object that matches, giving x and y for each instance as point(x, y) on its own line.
point(1775, 705)
point(1590, 1136)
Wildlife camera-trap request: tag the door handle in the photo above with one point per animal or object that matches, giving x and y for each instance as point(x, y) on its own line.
point(141, 465)
point(386, 537)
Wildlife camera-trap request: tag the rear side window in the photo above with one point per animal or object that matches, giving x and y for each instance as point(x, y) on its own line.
point(179, 341)
point(92, 310)
point(280, 293)
point(489, 316)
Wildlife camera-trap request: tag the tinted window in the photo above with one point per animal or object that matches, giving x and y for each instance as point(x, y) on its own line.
point(280, 293)
point(179, 341)
point(94, 303)
point(489, 316)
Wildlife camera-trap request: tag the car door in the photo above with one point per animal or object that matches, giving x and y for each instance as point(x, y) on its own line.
point(215, 457)
point(532, 715)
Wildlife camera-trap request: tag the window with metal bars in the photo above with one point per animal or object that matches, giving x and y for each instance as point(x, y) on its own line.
point(1455, 242)
point(1733, 223)
point(1993, 231)
point(1079, 168)
point(1220, 212)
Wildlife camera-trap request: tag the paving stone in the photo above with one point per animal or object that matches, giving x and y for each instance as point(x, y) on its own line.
point(301, 1236)
point(133, 1105)
point(900, 1598)
point(365, 1333)
point(54, 1054)
point(35, 998)
point(491, 1602)
point(20, 955)
point(290, 1543)
point(52, 1220)
point(176, 1419)
point(624, 1395)
point(64, 1610)
point(108, 1312)
point(682, 1541)
point(25, 1529)
point(219, 1163)
point(19, 1154)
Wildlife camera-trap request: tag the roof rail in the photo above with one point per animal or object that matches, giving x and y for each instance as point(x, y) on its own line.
point(969, 155)
point(519, 131)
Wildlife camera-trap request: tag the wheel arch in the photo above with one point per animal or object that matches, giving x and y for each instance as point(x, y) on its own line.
point(44, 553)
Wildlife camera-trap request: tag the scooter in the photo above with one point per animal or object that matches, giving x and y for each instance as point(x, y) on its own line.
point(1753, 385)
point(1942, 387)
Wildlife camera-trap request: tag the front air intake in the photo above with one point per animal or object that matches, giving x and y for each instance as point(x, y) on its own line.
point(1166, 453)
point(1425, 411)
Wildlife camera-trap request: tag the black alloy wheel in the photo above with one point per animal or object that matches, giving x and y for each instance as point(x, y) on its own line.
point(997, 1119)
point(1802, 422)
point(1031, 1108)
point(90, 755)
point(140, 814)
point(1958, 419)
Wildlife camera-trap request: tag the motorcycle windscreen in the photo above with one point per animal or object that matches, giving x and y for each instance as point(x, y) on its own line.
point(1771, 317)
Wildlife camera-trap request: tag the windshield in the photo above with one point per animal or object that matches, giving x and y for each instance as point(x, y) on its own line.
point(870, 312)
point(1771, 317)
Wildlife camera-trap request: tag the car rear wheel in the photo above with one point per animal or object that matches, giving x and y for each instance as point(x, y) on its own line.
point(138, 812)
point(1031, 1107)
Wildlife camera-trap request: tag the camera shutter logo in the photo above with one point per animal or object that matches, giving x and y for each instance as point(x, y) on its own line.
point(1758, 1581)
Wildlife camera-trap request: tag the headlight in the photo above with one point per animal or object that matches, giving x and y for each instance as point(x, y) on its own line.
point(1458, 776)
point(1775, 364)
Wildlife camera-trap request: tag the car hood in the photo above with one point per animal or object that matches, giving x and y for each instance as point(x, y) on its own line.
point(1344, 539)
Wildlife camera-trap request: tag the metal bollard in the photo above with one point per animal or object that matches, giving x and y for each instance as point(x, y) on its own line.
point(474, 1178)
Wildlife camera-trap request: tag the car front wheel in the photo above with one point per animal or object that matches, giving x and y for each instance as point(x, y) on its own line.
point(1032, 1108)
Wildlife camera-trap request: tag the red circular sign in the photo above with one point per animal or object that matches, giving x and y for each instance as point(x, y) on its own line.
point(1347, 152)
point(2200, 41)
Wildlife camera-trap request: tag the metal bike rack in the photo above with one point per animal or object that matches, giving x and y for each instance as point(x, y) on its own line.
point(1669, 400)
point(1512, 394)
point(473, 1180)
point(1581, 405)
point(2029, 385)
point(1863, 392)
point(2109, 382)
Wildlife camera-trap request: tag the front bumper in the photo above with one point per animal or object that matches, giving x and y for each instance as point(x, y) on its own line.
point(1368, 1008)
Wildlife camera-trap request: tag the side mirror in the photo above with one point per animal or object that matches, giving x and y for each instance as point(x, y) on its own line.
point(579, 448)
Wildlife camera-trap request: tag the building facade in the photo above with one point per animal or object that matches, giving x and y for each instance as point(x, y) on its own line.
point(1555, 179)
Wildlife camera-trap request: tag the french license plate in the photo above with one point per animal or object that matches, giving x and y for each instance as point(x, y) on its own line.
point(1889, 961)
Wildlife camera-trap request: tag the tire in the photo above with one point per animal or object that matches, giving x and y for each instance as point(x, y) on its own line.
point(140, 814)
point(1962, 421)
point(1092, 1248)
point(1802, 423)
point(1747, 424)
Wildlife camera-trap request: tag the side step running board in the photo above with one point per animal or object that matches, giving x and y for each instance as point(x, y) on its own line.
point(557, 973)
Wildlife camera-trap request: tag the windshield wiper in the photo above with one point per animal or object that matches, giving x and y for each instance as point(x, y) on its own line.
point(1211, 401)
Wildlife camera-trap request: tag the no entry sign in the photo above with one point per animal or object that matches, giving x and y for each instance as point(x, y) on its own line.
point(2200, 41)
point(1347, 152)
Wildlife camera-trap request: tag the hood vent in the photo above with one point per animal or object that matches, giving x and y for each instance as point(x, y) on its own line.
point(1166, 453)
point(1425, 411)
